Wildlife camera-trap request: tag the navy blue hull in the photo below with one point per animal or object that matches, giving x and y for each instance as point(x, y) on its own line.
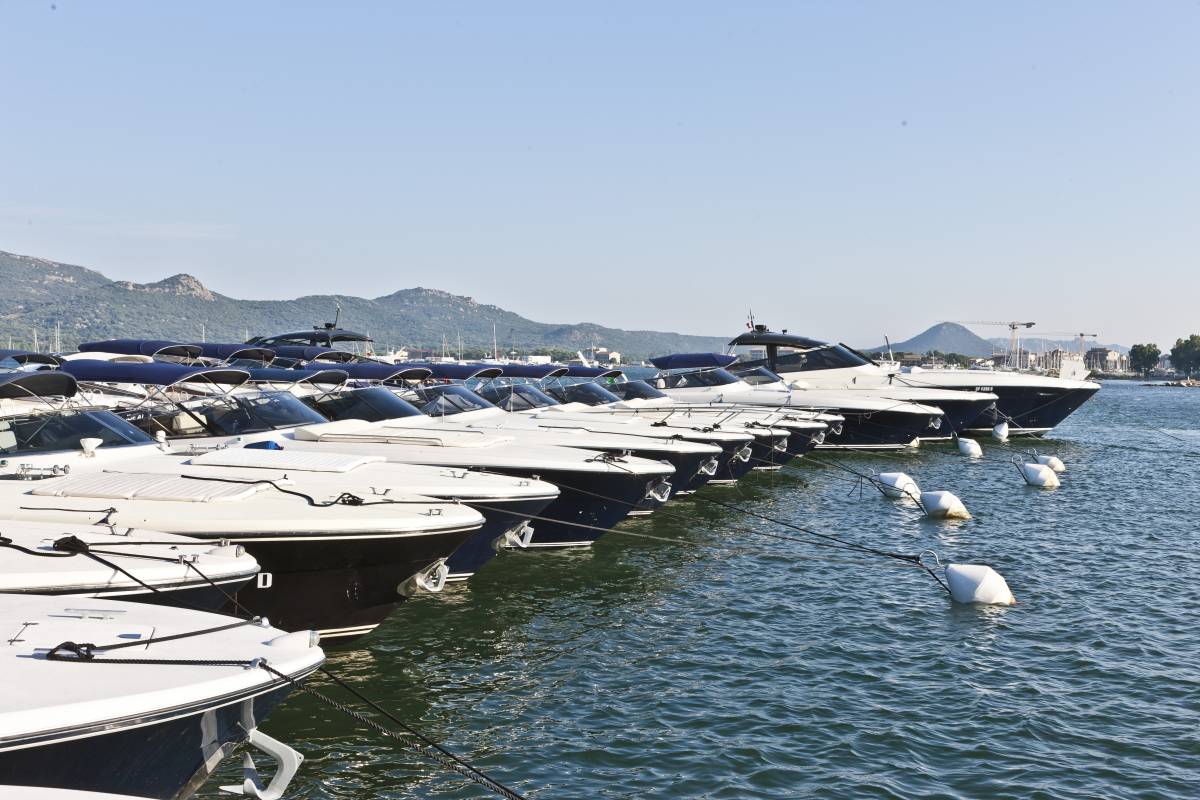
point(687, 468)
point(588, 499)
point(766, 452)
point(880, 429)
point(958, 416)
point(164, 758)
point(500, 517)
point(801, 443)
point(342, 586)
point(730, 465)
point(1030, 410)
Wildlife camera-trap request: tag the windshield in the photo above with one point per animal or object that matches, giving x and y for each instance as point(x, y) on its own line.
point(444, 401)
point(373, 404)
point(40, 433)
point(695, 379)
point(520, 397)
point(833, 356)
point(226, 415)
point(591, 394)
point(758, 376)
point(635, 390)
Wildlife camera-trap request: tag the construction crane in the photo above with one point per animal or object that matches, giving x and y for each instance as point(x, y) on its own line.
point(1013, 342)
point(1073, 335)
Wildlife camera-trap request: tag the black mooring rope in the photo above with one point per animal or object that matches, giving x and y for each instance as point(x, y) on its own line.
point(424, 745)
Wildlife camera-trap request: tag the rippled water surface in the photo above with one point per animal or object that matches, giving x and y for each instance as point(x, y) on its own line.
point(728, 665)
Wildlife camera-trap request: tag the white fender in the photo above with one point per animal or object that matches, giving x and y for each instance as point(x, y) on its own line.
point(1053, 462)
point(1039, 475)
point(1000, 432)
point(977, 583)
point(897, 485)
point(970, 448)
point(944, 505)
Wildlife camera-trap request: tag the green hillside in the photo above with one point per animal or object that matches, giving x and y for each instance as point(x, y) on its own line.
point(87, 305)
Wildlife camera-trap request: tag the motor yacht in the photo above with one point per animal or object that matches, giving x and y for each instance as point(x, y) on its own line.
point(100, 695)
point(1030, 404)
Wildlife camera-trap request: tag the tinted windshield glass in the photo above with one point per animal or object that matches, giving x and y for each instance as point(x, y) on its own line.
point(231, 415)
point(443, 401)
point(691, 380)
point(47, 432)
point(832, 357)
point(591, 394)
point(757, 376)
point(372, 404)
point(517, 398)
point(635, 390)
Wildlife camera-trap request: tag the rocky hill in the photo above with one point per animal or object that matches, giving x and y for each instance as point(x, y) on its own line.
point(86, 305)
point(948, 337)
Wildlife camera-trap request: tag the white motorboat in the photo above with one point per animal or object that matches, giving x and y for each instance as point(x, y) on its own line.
point(135, 699)
point(101, 561)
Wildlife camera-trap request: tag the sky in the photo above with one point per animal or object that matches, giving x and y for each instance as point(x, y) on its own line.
point(846, 170)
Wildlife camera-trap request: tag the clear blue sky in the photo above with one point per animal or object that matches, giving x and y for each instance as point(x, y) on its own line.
point(846, 169)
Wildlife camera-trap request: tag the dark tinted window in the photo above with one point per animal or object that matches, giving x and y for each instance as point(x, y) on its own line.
point(517, 398)
point(591, 394)
point(48, 432)
point(373, 404)
point(832, 357)
point(443, 401)
point(635, 390)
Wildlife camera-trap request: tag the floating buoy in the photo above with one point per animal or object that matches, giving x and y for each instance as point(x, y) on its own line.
point(970, 448)
point(977, 583)
point(1039, 475)
point(944, 505)
point(1000, 432)
point(1053, 462)
point(897, 485)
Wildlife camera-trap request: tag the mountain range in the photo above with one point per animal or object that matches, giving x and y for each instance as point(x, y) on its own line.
point(951, 337)
point(86, 305)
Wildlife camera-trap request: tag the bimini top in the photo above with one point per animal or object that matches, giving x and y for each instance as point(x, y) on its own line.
point(43, 383)
point(535, 371)
point(302, 352)
point(387, 372)
point(323, 377)
point(760, 335)
point(457, 372)
point(315, 337)
point(228, 352)
point(142, 347)
point(154, 374)
point(693, 361)
point(593, 372)
point(29, 357)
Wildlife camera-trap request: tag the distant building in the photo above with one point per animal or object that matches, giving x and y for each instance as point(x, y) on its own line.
point(1102, 359)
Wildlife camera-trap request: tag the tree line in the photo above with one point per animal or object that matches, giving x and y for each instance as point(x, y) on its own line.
point(1185, 356)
